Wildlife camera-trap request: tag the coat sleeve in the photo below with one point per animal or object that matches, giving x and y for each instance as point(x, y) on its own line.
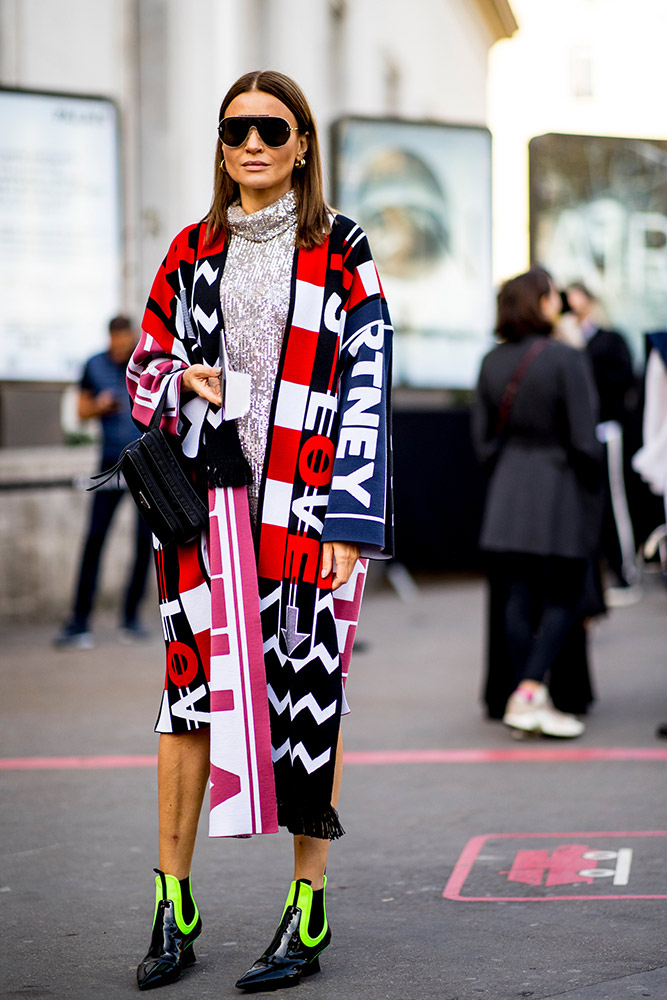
point(613, 373)
point(484, 423)
point(160, 358)
point(581, 405)
point(360, 505)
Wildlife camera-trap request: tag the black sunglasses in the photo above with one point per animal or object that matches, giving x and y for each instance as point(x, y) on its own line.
point(273, 131)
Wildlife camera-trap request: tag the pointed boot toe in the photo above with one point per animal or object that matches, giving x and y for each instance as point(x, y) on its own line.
point(288, 958)
point(154, 972)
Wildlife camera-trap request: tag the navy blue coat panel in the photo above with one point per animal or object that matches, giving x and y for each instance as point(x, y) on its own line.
point(543, 495)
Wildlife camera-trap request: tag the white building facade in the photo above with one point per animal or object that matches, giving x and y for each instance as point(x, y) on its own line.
point(588, 67)
point(166, 64)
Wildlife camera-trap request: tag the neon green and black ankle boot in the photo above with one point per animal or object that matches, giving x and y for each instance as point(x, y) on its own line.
point(173, 933)
point(302, 935)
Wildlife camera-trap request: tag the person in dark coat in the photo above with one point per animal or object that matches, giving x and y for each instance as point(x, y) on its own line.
point(608, 353)
point(534, 426)
point(611, 366)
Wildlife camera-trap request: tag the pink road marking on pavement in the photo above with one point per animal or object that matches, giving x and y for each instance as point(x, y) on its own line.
point(107, 761)
point(474, 846)
point(504, 754)
point(534, 755)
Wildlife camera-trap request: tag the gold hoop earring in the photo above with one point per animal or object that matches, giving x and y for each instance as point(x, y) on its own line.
point(222, 165)
point(300, 164)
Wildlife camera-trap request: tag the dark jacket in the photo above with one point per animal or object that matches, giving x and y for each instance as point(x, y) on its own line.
point(543, 491)
point(611, 365)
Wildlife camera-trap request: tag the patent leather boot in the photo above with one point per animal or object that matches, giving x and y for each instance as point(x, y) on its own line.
point(171, 948)
point(293, 953)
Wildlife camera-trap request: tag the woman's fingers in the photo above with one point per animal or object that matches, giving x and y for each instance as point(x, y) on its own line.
point(213, 384)
point(204, 381)
point(196, 376)
point(343, 556)
point(327, 559)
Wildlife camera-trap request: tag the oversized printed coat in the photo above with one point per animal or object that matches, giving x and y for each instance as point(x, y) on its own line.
point(326, 477)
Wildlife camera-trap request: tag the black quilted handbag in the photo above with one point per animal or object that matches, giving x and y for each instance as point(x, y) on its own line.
point(160, 486)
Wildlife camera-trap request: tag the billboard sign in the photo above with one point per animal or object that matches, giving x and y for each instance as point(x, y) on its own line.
point(60, 252)
point(422, 193)
point(598, 214)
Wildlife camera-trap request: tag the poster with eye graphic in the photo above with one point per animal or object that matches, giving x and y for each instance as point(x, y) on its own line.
point(422, 193)
point(598, 214)
point(60, 245)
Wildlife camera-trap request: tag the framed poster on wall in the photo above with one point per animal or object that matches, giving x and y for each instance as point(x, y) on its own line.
point(60, 232)
point(598, 214)
point(422, 193)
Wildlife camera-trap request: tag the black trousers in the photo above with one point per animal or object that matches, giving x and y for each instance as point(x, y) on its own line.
point(105, 504)
point(536, 612)
point(542, 599)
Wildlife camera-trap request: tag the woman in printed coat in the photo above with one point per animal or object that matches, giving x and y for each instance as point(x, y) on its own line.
point(267, 335)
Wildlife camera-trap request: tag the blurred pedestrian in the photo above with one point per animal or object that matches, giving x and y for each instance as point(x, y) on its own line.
point(290, 400)
point(103, 396)
point(651, 459)
point(534, 429)
point(611, 365)
point(608, 352)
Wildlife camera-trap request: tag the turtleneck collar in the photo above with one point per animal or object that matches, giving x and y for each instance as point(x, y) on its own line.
point(267, 223)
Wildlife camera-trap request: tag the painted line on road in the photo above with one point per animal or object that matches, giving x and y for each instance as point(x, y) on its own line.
point(107, 762)
point(533, 755)
point(529, 755)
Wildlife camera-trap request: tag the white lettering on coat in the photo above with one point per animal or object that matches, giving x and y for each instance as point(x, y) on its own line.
point(352, 483)
point(356, 415)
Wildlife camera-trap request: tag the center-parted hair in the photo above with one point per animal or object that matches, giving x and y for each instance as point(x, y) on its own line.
point(519, 305)
point(313, 223)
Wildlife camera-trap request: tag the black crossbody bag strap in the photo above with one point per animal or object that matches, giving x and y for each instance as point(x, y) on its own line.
point(512, 388)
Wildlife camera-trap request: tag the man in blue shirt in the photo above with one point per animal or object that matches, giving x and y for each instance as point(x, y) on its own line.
point(103, 395)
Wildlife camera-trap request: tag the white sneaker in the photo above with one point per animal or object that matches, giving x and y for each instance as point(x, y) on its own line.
point(522, 711)
point(622, 597)
point(73, 637)
point(533, 712)
point(555, 723)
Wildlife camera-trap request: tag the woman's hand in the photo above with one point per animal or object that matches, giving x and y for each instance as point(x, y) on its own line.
point(204, 381)
point(344, 555)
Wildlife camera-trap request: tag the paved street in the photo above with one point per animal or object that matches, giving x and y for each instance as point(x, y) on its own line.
point(435, 799)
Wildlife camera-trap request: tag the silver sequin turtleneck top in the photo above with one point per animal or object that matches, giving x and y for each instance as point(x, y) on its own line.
point(255, 295)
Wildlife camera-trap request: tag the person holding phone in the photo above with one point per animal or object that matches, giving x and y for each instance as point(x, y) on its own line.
point(267, 336)
point(103, 396)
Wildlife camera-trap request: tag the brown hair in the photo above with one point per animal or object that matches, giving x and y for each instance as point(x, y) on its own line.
point(519, 305)
point(313, 223)
point(581, 287)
